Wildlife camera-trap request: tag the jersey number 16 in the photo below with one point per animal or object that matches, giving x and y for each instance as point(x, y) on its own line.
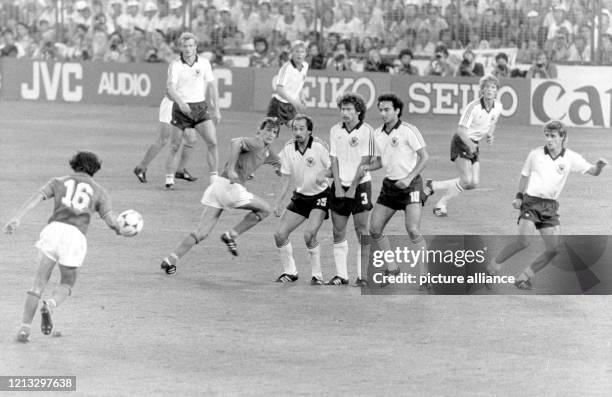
point(77, 197)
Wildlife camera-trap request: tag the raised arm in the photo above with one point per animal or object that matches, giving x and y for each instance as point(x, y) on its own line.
point(596, 169)
point(26, 207)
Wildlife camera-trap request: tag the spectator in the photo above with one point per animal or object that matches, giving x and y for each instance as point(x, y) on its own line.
point(99, 43)
point(580, 51)
point(156, 18)
point(116, 49)
point(175, 19)
point(349, 26)
point(490, 30)
point(533, 30)
point(433, 22)
point(365, 46)
point(260, 57)
point(83, 14)
point(560, 49)
point(24, 39)
point(559, 21)
point(411, 19)
point(340, 60)
point(48, 13)
point(439, 65)
point(606, 49)
point(542, 69)
point(137, 46)
point(265, 23)
point(316, 60)
point(199, 25)
point(80, 44)
point(226, 28)
point(407, 40)
point(160, 47)
point(501, 70)
point(327, 22)
point(115, 13)
point(528, 52)
point(372, 18)
point(469, 67)
point(11, 48)
point(405, 66)
point(310, 22)
point(289, 26)
point(247, 21)
point(424, 45)
point(375, 63)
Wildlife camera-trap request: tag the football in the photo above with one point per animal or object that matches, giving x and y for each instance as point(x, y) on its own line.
point(130, 223)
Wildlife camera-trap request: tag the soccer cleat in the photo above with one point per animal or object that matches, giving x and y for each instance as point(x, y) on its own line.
point(169, 186)
point(184, 174)
point(525, 285)
point(23, 335)
point(287, 278)
point(440, 212)
point(337, 280)
point(316, 281)
point(230, 242)
point(168, 267)
point(46, 324)
point(360, 282)
point(428, 189)
point(141, 174)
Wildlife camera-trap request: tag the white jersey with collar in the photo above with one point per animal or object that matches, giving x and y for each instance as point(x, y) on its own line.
point(477, 120)
point(304, 167)
point(190, 81)
point(291, 78)
point(547, 175)
point(349, 147)
point(398, 148)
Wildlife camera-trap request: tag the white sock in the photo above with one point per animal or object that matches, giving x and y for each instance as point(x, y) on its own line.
point(453, 190)
point(340, 254)
point(443, 185)
point(286, 256)
point(315, 261)
point(170, 179)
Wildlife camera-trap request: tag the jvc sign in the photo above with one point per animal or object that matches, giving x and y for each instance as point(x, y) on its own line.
point(50, 81)
point(584, 101)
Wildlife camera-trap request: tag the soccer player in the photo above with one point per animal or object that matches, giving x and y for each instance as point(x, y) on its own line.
point(288, 99)
point(542, 179)
point(165, 132)
point(305, 160)
point(477, 121)
point(190, 78)
point(351, 145)
point(400, 149)
point(62, 241)
point(227, 192)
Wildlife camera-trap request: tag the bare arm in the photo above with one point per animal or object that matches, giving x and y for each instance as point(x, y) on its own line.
point(285, 184)
point(598, 167)
point(357, 178)
point(111, 221)
point(518, 200)
point(172, 94)
point(418, 168)
point(26, 207)
point(213, 95)
point(335, 169)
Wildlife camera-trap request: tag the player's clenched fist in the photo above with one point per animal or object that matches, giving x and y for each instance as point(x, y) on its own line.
point(11, 226)
point(516, 203)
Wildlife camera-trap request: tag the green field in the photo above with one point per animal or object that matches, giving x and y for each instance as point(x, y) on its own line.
point(221, 326)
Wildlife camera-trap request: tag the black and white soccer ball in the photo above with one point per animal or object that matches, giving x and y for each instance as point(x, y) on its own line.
point(130, 223)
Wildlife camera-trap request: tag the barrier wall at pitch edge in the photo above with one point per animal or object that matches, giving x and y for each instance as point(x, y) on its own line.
point(582, 96)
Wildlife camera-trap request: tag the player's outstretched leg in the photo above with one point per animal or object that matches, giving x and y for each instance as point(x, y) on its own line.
point(259, 211)
point(140, 170)
point(551, 243)
point(43, 274)
point(208, 220)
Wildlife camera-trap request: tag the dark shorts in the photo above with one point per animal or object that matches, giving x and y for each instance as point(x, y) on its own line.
point(458, 148)
point(302, 204)
point(542, 212)
point(346, 206)
point(284, 112)
point(199, 114)
point(398, 199)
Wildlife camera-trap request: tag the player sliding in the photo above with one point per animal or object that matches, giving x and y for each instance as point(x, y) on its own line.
point(477, 121)
point(227, 192)
point(165, 133)
point(542, 179)
point(62, 241)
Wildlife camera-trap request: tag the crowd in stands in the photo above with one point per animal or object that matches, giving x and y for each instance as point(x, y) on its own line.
point(357, 35)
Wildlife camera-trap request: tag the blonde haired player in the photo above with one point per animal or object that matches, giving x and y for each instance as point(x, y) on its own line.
point(190, 78)
point(478, 120)
point(542, 179)
point(62, 241)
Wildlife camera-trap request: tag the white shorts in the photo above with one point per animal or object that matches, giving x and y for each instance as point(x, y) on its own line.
point(165, 110)
point(63, 243)
point(225, 195)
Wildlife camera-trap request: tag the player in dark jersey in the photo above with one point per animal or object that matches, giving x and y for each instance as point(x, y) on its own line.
point(62, 241)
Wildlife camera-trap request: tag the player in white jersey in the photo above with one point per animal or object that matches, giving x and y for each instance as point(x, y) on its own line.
point(400, 149)
point(351, 145)
point(189, 80)
point(305, 161)
point(287, 99)
point(542, 179)
point(165, 132)
point(478, 120)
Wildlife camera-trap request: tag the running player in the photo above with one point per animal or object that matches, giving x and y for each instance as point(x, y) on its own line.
point(62, 241)
point(351, 145)
point(542, 179)
point(227, 192)
point(400, 149)
point(165, 132)
point(305, 160)
point(477, 121)
point(288, 99)
point(189, 80)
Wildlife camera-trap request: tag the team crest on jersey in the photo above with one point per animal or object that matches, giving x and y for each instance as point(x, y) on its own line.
point(394, 141)
point(198, 72)
point(354, 141)
point(310, 162)
point(561, 168)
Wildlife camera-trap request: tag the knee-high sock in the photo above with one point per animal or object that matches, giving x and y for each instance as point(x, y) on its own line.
point(453, 190)
point(340, 254)
point(363, 253)
point(315, 261)
point(384, 245)
point(286, 257)
point(419, 244)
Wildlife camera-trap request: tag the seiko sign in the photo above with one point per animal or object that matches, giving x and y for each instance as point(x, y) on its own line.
point(322, 91)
